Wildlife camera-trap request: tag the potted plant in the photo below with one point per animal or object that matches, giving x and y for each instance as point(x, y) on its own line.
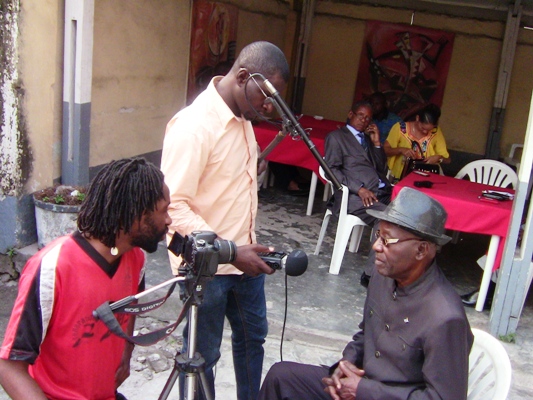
point(56, 211)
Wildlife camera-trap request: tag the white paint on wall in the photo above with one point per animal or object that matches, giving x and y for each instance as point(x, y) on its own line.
point(10, 150)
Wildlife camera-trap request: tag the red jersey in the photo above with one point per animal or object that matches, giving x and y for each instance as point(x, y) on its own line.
point(72, 355)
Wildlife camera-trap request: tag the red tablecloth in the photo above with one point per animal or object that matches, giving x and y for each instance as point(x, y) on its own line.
point(296, 152)
point(466, 213)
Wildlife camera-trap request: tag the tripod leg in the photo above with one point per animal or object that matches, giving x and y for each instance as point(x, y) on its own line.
point(170, 384)
point(204, 384)
point(192, 364)
point(190, 386)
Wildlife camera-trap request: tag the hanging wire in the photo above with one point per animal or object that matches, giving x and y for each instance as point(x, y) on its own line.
point(278, 124)
point(284, 319)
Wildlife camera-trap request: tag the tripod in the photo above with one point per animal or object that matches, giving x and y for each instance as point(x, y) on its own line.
point(193, 364)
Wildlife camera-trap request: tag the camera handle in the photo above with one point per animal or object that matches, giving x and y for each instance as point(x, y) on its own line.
point(192, 363)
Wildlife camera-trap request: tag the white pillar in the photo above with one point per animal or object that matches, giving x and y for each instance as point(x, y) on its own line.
point(77, 82)
point(515, 271)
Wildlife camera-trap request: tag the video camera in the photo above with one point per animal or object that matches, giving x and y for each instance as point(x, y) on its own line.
point(201, 252)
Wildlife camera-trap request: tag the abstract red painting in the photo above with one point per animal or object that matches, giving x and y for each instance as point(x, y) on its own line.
point(213, 44)
point(409, 64)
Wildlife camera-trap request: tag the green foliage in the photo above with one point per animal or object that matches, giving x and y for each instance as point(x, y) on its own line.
point(59, 199)
point(509, 338)
point(62, 195)
point(11, 252)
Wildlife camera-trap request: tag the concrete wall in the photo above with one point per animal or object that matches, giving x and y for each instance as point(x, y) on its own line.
point(31, 111)
point(140, 55)
point(140, 60)
point(41, 74)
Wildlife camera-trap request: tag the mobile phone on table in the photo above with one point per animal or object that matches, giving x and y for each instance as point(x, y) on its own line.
point(421, 173)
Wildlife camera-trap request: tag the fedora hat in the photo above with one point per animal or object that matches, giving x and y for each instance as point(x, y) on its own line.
point(418, 213)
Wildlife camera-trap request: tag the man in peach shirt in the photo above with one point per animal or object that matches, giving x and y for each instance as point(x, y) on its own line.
point(210, 165)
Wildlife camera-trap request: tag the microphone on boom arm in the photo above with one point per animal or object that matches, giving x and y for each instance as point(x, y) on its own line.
point(291, 124)
point(294, 264)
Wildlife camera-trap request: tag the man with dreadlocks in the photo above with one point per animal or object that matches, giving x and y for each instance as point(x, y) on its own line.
point(210, 165)
point(53, 347)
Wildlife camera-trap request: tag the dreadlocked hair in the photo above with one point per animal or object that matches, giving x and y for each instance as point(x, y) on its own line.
point(118, 196)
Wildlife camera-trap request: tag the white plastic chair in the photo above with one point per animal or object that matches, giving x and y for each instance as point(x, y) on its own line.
point(489, 172)
point(312, 191)
point(489, 370)
point(347, 223)
point(513, 158)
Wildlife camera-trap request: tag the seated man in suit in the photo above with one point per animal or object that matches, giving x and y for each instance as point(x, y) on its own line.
point(415, 338)
point(355, 156)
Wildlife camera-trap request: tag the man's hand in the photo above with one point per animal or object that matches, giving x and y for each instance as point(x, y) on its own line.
point(368, 197)
point(262, 166)
point(373, 132)
point(343, 383)
point(249, 262)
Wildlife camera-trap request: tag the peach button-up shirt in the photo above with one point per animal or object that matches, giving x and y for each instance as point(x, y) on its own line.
point(210, 166)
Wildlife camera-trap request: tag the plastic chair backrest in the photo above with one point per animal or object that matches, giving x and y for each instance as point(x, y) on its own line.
point(323, 174)
point(489, 172)
point(489, 370)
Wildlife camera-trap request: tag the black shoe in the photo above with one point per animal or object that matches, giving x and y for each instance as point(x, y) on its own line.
point(470, 299)
point(365, 279)
point(264, 195)
point(298, 192)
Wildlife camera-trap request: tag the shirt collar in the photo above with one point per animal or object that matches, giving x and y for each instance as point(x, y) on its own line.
point(356, 133)
point(223, 110)
point(427, 279)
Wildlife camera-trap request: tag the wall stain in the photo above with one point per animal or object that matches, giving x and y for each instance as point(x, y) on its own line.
point(15, 153)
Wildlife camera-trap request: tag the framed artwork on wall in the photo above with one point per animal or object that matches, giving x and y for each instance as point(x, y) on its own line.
point(213, 44)
point(409, 64)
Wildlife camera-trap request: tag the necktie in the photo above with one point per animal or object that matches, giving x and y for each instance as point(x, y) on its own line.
point(363, 140)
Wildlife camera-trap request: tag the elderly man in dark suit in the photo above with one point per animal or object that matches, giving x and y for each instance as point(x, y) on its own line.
point(355, 156)
point(415, 337)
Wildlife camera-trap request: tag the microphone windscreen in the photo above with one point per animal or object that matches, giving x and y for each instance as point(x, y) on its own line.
point(296, 263)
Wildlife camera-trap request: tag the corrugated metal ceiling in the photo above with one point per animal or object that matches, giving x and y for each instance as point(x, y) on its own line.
point(492, 10)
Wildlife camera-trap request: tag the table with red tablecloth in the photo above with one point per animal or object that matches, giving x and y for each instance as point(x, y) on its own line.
point(295, 152)
point(467, 213)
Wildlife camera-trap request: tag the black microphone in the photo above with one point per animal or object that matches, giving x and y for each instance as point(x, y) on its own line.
point(294, 126)
point(294, 264)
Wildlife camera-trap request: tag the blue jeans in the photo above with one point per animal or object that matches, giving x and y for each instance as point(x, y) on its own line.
point(241, 299)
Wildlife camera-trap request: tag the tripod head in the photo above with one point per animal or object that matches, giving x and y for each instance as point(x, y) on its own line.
point(201, 253)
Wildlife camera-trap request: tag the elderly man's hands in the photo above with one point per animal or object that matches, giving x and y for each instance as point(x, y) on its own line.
point(343, 383)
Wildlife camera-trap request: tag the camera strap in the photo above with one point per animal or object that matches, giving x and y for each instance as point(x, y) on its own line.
point(106, 314)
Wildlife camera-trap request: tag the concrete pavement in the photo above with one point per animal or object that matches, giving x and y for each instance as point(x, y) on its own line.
point(323, 309)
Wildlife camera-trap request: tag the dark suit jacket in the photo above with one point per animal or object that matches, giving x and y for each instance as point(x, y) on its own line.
point(354, 167)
